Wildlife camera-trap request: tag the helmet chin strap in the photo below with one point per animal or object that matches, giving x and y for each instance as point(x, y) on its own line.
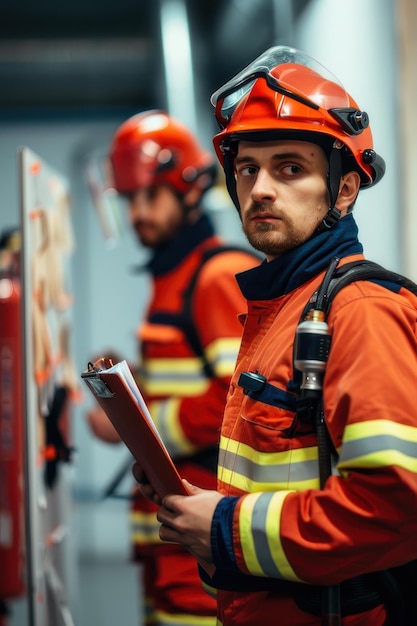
point(333, 181)
point(229, 171)
point(331, 218)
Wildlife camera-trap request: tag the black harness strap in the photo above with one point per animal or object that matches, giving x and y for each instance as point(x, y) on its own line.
point(184, 319)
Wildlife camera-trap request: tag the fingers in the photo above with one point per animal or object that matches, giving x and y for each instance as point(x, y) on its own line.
point(167, 516)
point(146, 488)
point(192, 489)
point(139, 474)
point(183, 521)
point(168, 512)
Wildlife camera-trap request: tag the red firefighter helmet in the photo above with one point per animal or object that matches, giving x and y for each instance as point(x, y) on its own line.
point(285, 94)
point(152, 148)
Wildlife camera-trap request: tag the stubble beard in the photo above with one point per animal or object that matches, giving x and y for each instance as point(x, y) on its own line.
point(152, 237)
point(155, 237)
point(272, 240)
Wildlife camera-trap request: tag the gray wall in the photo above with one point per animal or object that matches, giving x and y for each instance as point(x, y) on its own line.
point(358, 43)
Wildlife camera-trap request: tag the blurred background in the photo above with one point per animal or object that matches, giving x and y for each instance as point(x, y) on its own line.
point(70, 73)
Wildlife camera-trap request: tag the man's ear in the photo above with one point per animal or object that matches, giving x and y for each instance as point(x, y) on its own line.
point(348, 191)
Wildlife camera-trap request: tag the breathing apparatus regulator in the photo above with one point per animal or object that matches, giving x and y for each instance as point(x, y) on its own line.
point(313, 339)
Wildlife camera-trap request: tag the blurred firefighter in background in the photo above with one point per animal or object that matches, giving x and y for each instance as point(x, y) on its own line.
point(188, 341)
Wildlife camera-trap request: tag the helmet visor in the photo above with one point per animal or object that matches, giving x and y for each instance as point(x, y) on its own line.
point(226, 99)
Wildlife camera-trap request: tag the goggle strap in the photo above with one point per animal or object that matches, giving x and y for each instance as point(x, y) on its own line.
point(272, 83)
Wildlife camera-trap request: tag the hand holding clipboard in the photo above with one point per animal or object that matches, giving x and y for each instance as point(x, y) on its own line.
point(116, 391)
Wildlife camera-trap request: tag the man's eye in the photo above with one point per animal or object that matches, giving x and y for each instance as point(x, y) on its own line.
point(247, 170)
point(291, 170)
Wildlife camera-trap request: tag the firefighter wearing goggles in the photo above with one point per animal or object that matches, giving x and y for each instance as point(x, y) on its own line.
point(287, 94)
point(273, 539)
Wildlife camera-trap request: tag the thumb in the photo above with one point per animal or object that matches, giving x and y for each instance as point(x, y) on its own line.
point(192, 489)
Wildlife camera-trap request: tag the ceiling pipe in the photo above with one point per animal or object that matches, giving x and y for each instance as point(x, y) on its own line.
point(177, 62)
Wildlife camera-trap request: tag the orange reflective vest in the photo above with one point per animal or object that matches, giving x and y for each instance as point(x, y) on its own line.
point(186, 403)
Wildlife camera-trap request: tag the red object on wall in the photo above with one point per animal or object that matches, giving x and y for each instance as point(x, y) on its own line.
point(12, 531)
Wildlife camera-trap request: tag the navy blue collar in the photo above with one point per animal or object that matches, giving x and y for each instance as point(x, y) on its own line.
point(297, 266)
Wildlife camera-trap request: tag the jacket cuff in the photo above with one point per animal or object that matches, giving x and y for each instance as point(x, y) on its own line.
point(221, 536)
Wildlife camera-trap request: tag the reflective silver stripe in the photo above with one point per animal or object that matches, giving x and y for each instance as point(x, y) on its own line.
point(185, 376)
point(260, 532)
point(270, 474)
point(144, 527)
point(252, 470)
point(171, 365)
point(379, 443)
point(260, 539)
point(172, 375)
point(222, 354)
point(176, 377)
point(165, 415)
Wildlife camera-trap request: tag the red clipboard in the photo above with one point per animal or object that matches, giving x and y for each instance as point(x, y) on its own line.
point(116, 391)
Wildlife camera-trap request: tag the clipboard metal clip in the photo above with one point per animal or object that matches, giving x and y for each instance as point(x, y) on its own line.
point(93, 380)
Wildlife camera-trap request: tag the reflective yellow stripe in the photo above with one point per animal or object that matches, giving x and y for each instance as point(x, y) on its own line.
point(246, 536)
point(250, 470)
point(211, 591)
point(167, 619)
point(178, 377)
point(165, 415)
point(185, 376)
point(273, 534)
point(273, 458)
point(259, 528)
point(379, 443)
point(222, 354)
point(372, 427)
point(144, 527)
point(141, 538)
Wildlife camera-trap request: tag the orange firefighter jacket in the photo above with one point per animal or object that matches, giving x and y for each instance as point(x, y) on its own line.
point(185, 401)
point(277, 524)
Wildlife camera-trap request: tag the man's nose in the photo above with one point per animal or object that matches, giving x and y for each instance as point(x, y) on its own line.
point(264, 188)
point(138, 207)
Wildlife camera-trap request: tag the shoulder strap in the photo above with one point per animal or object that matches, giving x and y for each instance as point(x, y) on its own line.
point(351, 272)
point(367, 270)
point(186, 315)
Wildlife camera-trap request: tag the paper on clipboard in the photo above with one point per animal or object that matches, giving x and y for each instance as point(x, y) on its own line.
point(116, 391)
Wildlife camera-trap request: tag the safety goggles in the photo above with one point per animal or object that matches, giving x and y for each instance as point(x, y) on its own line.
point(226, 99)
